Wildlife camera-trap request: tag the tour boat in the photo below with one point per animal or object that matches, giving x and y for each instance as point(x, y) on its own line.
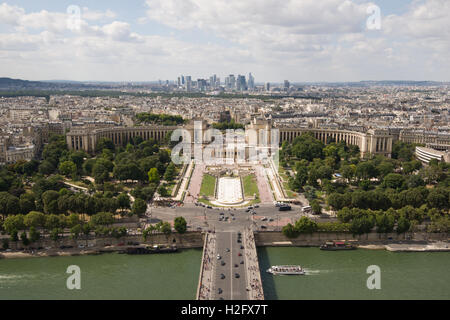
point(286, 270)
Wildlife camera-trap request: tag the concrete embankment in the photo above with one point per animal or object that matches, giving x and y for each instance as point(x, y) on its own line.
point(99, 245)
point(391, 241)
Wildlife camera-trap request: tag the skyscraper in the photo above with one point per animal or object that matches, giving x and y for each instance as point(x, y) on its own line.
point(251, 81)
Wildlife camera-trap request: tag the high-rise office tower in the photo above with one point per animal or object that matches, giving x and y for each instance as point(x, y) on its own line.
point(241, 84)
point(267, 86)
point(182, 80)
point(188, 83)
point(251, 81)
point(286, 84)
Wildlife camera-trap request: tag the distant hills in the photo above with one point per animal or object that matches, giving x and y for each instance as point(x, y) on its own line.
point(19, 84)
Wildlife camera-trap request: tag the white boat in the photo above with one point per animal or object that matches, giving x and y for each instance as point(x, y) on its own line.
point(288, 270)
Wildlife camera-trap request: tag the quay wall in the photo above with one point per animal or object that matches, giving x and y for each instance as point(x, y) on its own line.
point(272, 238)
point(187, 240)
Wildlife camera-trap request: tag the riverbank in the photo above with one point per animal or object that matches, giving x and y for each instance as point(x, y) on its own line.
point(418, 242)
point(70, 247)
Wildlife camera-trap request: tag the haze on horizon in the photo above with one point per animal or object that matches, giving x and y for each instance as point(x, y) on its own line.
point(298, 40)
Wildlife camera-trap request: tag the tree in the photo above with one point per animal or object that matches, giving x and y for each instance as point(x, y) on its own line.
point(162, 190)
point(385, 223)
point(24, 238)
point(403, 225)
point(124, 201)
point(76, 230)
point(165, 228)
point(68, 168)
point(366, 170)
point(102, 218)
point(289, 231)
point(384, 168)
point(139, 207)
point(104, 143)
point(46, 167)
point(336, 201)
point(394, 181)
point(34, 234)
point(153, 176)
point(305, 225)
point(55, 234)
point(361, 225)
point(180, 225)
point(34, 219)
point(438, 198)
point(307, 147)
point(315, 206)
point(14, 223)
point(100, 172)
point(27, 203)
point(169, 175)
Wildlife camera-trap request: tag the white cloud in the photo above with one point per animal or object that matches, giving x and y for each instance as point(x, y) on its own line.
point(307, 40)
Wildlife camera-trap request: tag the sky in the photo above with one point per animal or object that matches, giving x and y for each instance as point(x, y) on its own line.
point(275, 40)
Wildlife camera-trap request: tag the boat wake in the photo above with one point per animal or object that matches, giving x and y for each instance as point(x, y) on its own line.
point(311, 272)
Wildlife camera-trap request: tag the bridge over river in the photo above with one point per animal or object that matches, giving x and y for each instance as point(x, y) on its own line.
point(235, 275)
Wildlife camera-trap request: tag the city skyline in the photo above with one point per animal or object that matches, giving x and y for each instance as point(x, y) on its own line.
point(338, 41)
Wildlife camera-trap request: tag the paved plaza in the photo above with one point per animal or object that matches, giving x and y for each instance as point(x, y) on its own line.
point(229, 191)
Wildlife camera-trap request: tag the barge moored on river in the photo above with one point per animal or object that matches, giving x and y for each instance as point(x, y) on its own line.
point(150, 250)
point(337, 245)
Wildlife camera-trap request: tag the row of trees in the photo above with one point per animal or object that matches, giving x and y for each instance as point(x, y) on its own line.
point(383, 199)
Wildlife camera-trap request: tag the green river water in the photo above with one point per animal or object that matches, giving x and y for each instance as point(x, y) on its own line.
point(330, 275)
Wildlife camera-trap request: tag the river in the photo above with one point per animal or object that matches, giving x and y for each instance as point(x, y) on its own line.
point(330, 275)
point(342, 274)
point(106, 276)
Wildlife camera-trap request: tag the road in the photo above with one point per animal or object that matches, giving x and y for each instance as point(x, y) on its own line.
point(232, 288)
point(208, 219)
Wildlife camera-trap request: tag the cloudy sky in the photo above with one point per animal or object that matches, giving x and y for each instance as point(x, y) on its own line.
point(299, 40)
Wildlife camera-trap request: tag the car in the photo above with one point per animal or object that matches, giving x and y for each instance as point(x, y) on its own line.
point(222, 263)
point(81, 246)
point(237, 275)
point(222, 276)
point(285, 207)
point(242, 262)
point(256, 206)
point(233, 218)
point(239, 254)
point(199, 228)
point(209, 207)
point(239, 240)
point(248, 210)
point(218, 257)
point(232, 214)
point(221, 213)
point(263, 227)
point(270, 219)
point(220, 291)
point(242, 247)
point(227, 250)
point(236, 265)
point(264, 219)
